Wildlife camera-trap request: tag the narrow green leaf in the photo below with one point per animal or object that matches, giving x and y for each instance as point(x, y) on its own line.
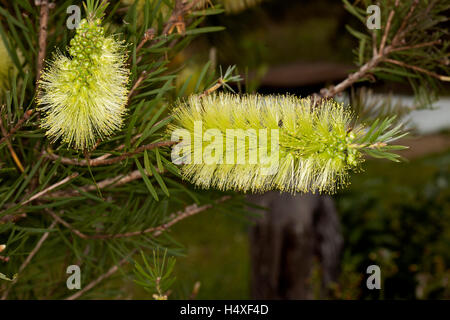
point(204, 30)
point(147, 181)
point(159, 180)
point(158, 160)
point(202, 75)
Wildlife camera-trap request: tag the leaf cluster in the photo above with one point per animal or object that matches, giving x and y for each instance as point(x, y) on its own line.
point(415, 41)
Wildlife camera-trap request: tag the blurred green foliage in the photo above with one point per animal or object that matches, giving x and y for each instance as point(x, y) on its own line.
point(278, 32)
point(217, 256)
point(397, 217)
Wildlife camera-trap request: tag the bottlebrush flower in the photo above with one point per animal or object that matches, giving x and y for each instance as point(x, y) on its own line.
point(307, 148)
point(83, 97)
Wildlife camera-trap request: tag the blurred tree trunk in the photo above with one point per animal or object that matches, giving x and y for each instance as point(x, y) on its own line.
point(295, 235)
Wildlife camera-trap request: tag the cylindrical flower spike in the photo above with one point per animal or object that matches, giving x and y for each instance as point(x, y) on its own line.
point(259, 143)
point(83, 98)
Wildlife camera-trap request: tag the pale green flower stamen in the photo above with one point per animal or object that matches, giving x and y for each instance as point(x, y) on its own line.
point(83, 98)
point(315, 142)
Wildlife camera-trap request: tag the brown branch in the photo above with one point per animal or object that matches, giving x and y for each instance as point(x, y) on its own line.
point(137, 83)
point(43, 22)
point(110, 182)
point(381, 55)
point(418, 69)
point(10, 148)
point(132, 140)
point(400, 31)
point(420, 45)
point(215, 87)
point(52, 187)
point(176, 17)
point(374, 44)
point(28, 259)
point(107, 274)
point(18, 125)
point(83, 162)
point(149, 34)
point(107, 155)
point(116, 267)
point(156, 231)
point(388, 27)
point(104, 160)
point(352, 78)
point(66, 224)
point(176, 20)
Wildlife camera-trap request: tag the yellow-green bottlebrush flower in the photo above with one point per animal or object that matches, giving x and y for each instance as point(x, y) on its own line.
point(83, 97)
point(258, 143)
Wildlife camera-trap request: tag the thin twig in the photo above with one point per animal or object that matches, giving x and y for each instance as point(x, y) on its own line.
point(118, 148)
point(137, 83)
point(28, 259)
point(381, 55)
point(388, 27)
point(215, 87)
point(43, 22)
point(374, 44)
point(110, 182)
point(132, 140)
point(400, 30)
point(47, 190)
point(418, 69)
point(156, 233)
point(77, 162)
point(176, 19)
point(148, 35)
point(66, 224)
point(420, 45)
point(18, 125)
point(352, 78)
point(102, 160)
point(107, 274)
point(10, 148)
